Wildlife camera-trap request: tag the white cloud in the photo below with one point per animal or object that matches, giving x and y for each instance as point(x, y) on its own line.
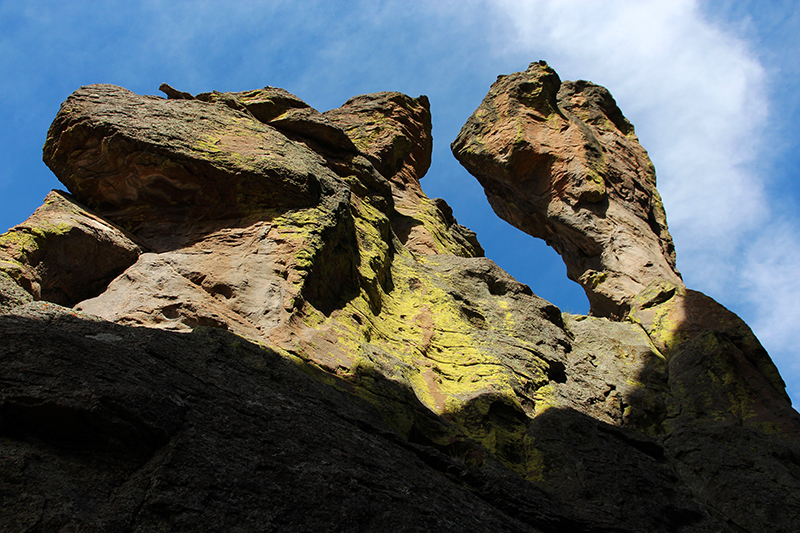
point(770, 281)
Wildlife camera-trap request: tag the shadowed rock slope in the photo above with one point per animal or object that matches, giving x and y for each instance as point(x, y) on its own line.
point(243, 302)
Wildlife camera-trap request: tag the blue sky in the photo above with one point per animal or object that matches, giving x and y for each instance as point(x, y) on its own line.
point(712, 88)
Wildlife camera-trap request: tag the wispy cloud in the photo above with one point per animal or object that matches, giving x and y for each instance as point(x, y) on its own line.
point(770, 282)
point(696, 94)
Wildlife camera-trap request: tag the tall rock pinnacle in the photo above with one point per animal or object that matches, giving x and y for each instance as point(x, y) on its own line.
point(560, 162)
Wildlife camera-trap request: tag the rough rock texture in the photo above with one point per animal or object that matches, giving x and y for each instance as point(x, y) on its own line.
point(562, 163)
point(46, 254)
point(260, 322)
point(111, 428)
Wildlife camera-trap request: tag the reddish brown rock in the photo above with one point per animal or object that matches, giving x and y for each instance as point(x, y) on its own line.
point(117, 150)
point(394, 131)
point(718, 368)
point(263, 104)
point(278, 108)
point(64, 253)
point(112, 428)
point(562, 163)
point(425, 387)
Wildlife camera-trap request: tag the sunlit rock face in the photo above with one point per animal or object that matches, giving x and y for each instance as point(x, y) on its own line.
point(562, 163)
point(242, 301)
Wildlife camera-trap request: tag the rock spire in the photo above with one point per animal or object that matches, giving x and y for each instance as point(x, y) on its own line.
point(561, 162)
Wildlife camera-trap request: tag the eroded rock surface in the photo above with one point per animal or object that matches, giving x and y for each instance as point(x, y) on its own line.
point(64, 253)
point(112, 428)
point(562, 163)
point(261, 304)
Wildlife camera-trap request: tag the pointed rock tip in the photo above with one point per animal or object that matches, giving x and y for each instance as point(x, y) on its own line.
point(174, 94)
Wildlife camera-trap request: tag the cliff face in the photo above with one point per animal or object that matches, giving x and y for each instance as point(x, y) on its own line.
point(314, 324)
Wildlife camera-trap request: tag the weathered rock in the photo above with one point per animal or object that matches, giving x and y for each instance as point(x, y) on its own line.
point(394, 132)
point(110, 428)
point(439, 393)
point(263, 104)
point(309, 279)
point(615, 374)
point(117, 150)
point(64, 253)
point(11, 294)
point(278, 108)
point(561, 162)
point(173, 93)
point(719, 373)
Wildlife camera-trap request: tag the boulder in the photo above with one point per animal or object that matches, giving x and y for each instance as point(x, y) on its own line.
point(63, 253)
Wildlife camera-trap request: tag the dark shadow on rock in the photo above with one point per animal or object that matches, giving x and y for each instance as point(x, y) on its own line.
point(403, 226)
point(64, 253)
point(623, 479)
point(106, 427)
point(334, 278)
point(728, 423)
point(141, 428)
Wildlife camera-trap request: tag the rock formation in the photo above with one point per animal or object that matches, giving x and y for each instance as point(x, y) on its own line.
point(247, 315)
point(562, 163)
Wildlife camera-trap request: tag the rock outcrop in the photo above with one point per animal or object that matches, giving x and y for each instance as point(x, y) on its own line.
point(243, 301)
point(562, 163)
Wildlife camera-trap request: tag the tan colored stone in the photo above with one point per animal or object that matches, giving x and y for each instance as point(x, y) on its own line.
point(670, 419)
point(116, 150)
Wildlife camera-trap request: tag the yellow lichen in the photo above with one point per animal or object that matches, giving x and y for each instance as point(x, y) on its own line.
point(428, 358)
